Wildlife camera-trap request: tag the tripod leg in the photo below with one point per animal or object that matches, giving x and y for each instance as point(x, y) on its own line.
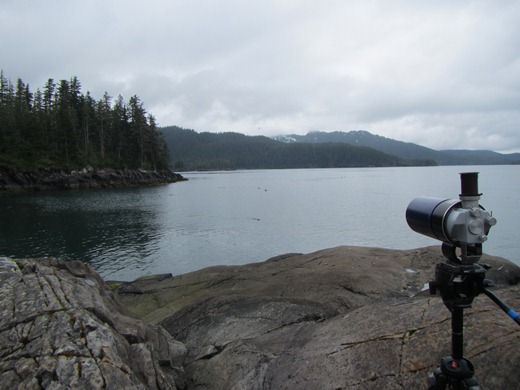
point(457, 336)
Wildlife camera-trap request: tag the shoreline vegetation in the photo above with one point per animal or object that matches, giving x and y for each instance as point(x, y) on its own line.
point(60, 128)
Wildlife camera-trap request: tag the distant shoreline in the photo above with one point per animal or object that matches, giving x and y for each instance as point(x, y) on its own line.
point(12, 181)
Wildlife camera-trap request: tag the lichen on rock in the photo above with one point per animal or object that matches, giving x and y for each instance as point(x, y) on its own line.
point(61, 327)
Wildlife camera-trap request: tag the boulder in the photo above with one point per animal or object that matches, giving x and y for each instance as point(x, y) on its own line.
point(341, 318)
point(61, 327)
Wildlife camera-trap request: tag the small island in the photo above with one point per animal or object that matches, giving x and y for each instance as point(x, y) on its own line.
point(62, 138)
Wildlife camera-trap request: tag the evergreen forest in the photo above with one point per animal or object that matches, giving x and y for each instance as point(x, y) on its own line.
point(59, 127)
point(190, 151)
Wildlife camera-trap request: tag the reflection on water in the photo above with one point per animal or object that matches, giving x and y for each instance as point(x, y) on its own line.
point(244, 216)
point(99, 226)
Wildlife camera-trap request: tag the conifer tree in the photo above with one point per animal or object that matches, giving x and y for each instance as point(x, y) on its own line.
point(62, 128)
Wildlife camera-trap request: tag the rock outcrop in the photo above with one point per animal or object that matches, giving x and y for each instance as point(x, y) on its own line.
point(15, 181)
point(62, 328)
point(342, 318)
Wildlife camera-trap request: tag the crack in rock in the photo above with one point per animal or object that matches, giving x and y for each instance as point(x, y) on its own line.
point(59, 331)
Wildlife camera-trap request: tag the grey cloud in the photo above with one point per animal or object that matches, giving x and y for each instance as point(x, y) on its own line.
point(443, 74)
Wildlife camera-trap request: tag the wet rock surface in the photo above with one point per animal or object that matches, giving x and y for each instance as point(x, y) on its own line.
point(15, 181)
point(341, 318)
point(62, 328)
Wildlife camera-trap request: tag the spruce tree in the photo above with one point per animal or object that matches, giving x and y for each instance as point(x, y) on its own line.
point(62, 128)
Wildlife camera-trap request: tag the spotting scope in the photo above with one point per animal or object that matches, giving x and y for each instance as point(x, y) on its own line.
point(459, 223)
point(462, 225)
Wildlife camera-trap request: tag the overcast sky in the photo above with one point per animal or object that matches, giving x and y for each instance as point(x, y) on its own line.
point(444, 74)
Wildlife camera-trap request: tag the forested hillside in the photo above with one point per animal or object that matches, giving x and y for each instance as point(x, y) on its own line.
point(190, 150)
point(59, 127)
point(481, 157)
point(365, 138)
point(406, 150)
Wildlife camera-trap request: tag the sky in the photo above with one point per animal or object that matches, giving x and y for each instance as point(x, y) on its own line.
point(444, 74)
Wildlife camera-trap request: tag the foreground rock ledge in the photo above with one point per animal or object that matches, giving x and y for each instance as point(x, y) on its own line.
point(61, 328)
point(341, 318)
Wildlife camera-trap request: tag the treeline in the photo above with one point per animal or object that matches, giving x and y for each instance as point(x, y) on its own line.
point(405, 150)
point(60, 127)
point(190, 151)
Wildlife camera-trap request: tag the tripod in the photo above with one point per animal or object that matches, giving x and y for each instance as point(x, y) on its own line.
point(459, 282)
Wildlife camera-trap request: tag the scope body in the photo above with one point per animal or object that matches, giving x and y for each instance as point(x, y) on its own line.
point(450, 220)
point(459, 223)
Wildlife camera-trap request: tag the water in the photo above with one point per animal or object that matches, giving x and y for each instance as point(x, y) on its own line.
point(245, 216)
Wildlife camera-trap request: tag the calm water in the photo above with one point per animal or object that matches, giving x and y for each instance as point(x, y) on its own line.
point(245, 216)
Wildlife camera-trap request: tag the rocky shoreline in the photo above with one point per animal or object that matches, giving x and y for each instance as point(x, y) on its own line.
point(12, 181)
point(340, 318)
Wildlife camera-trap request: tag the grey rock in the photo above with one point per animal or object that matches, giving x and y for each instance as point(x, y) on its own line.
point(62, 328)
point(15, 181)
point(341, 318)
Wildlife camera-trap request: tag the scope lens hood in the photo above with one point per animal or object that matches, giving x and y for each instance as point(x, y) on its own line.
point(427, 216)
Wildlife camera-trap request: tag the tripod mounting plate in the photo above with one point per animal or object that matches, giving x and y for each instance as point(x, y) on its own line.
point(458, 284)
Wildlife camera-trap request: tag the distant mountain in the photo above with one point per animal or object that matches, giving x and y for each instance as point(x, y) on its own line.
point(405, 150)
point(483, 157)
point(190, 150)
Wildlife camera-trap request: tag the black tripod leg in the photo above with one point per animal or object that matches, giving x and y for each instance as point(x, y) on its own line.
point(457, 336)
point(455, 371)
